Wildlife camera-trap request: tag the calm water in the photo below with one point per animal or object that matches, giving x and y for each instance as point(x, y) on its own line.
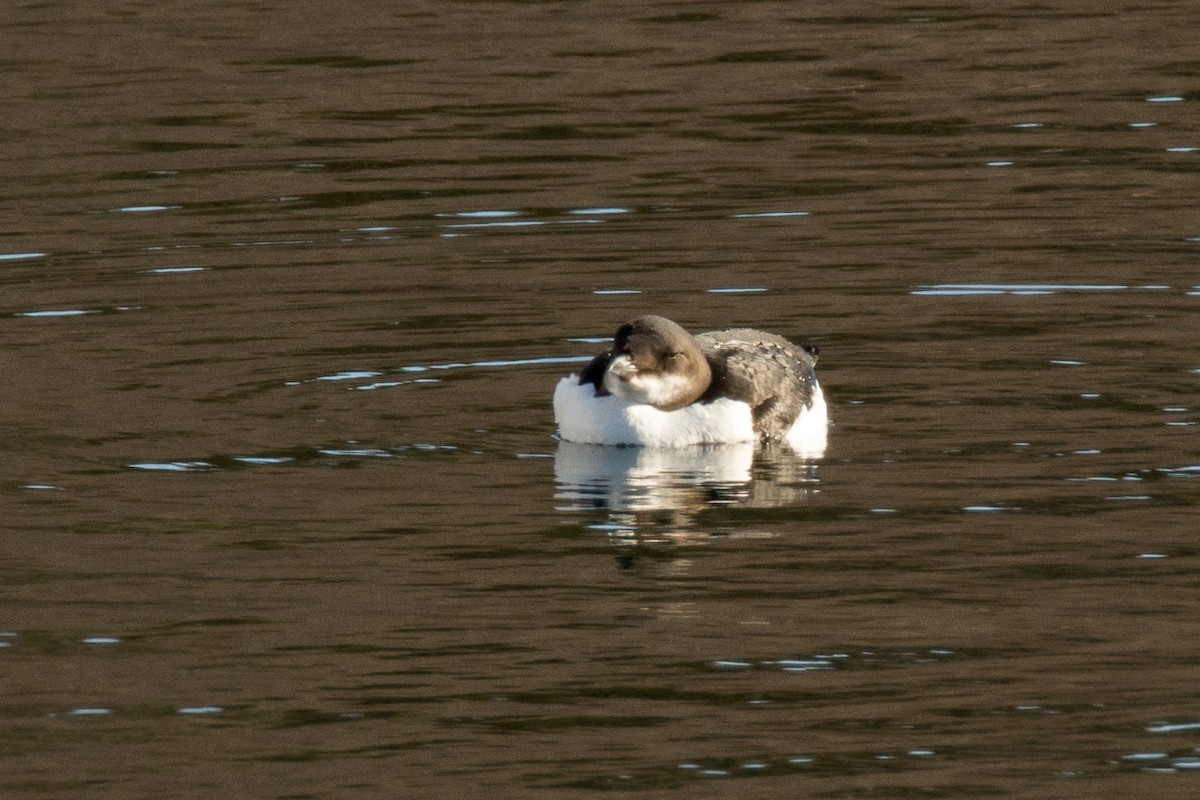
point(284, 292)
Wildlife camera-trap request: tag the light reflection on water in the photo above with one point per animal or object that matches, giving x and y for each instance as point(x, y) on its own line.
point(952, 289)
point(632, 479)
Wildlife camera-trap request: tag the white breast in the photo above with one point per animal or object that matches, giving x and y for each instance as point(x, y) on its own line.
point(583, 417)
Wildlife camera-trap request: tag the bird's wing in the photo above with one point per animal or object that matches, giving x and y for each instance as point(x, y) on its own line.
point(772, 375)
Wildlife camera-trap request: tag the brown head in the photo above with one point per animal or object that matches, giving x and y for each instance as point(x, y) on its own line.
point(657, 362)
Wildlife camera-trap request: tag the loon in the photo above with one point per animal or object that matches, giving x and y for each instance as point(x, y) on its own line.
point(662, 387)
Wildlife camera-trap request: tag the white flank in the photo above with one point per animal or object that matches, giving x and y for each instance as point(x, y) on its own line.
point(583, 417)
point(809, 432)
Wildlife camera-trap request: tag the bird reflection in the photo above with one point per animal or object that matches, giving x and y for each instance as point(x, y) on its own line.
point(643, 496)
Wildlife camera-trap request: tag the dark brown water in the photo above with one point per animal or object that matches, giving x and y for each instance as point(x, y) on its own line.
point(284, 292)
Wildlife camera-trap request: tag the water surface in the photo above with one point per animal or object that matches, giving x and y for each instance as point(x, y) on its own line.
point(284, 292)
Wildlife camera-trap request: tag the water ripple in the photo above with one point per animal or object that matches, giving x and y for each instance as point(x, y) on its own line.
point(839, 660)
point(967, 289)
point(172, 466)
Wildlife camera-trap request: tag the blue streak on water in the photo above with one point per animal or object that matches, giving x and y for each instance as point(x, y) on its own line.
point(350, 376)
point(1190, 471)
point(357, 452)
point(145, 209)
point(1172, 727)
point(516, 362)
point(61, 312)
point(527, 361)
point(803, 664)
point(522, 223)
point(952, 289)
point(483, 214)
point(173, 466)
point(370, 387)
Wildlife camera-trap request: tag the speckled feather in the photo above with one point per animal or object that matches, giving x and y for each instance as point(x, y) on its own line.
point(774, 376)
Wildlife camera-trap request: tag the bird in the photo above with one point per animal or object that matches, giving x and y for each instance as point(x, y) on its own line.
point(660, 386)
